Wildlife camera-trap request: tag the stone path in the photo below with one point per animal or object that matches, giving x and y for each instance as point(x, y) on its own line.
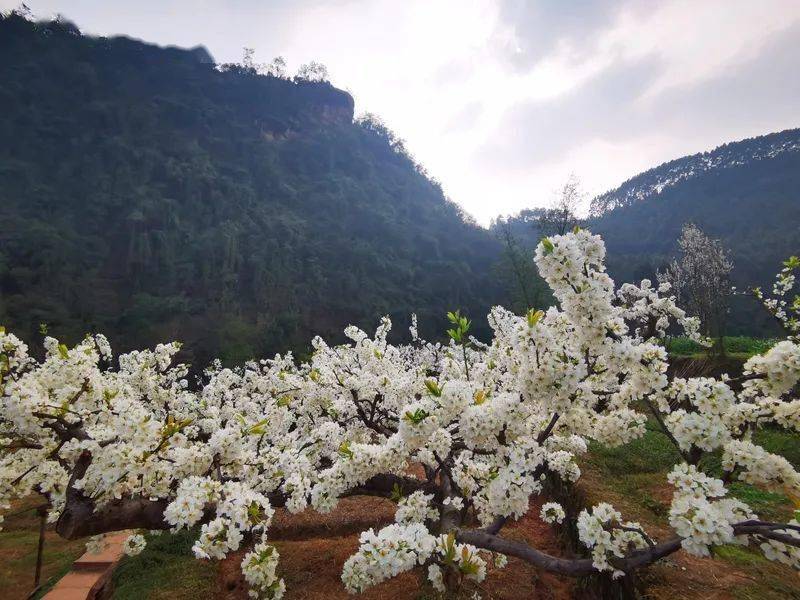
point(91, 573)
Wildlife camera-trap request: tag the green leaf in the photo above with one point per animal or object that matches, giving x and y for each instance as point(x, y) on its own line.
point(548, 246)
point(259, 428)
point(417, 417)
point(344, 449)
point(254, 513)
point(397, 493)
point(433, 388)
point(467, 566)
point(62, 351)
point(534, 316)
point(793, 262)
point(450, 548)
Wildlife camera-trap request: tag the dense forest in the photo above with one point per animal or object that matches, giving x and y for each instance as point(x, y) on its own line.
point(147, 193)
point(746, 194)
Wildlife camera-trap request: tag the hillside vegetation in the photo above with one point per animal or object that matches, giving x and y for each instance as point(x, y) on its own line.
point(746, 193)
point(150, 195)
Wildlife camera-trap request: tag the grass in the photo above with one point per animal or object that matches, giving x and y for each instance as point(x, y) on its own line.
point(739, 345)
point(633, 478)
point(639, 466)
point(634, 471)
point(771, 582)
point(18, 547)
point(166, 569)
point(768, 505)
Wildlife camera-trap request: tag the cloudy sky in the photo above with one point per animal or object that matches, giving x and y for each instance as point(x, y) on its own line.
point(503, 99)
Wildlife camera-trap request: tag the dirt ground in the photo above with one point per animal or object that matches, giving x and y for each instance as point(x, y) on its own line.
point(313, 549)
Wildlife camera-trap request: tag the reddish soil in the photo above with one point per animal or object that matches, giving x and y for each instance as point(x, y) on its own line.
point(686, 576)
point(314, 547)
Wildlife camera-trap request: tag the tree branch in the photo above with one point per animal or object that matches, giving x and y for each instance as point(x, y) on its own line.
point(81, 517)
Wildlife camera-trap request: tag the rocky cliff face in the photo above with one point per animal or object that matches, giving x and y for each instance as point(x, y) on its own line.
point(325, 102)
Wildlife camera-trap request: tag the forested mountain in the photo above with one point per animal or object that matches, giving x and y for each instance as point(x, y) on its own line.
point(746, 193)
point(150, 195)
point(728, 156)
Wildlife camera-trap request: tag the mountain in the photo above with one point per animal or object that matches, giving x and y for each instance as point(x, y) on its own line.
point(745, 193)
point(734, 155)
point(149, 194)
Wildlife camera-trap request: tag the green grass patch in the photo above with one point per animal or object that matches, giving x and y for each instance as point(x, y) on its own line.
point(771, 506)
point(166, 568)
point(737, 345)
point(779, 441)
point(651, 453)
point(635, 469)
point(741, 556)
point(768, 505)
point(18, 557)
point(19, 542)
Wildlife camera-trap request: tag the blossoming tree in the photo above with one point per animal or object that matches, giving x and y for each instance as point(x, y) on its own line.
point(133, 446)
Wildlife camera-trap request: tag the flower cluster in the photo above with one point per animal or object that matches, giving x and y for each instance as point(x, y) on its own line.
point(759, 467)
point(416, 508)
point(786, 312)
point(96, 544)
point(259, 569)
point(389, 552)
point(698, 512)
point(782, 552)
point(776, 372)
point(607, 536)
point(552, 512)
point(134, 544)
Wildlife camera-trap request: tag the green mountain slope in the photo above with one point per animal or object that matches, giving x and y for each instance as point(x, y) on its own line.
point(147, 194)
point(745, 193)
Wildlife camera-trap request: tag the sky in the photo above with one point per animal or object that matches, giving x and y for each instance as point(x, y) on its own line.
point(503, 100)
